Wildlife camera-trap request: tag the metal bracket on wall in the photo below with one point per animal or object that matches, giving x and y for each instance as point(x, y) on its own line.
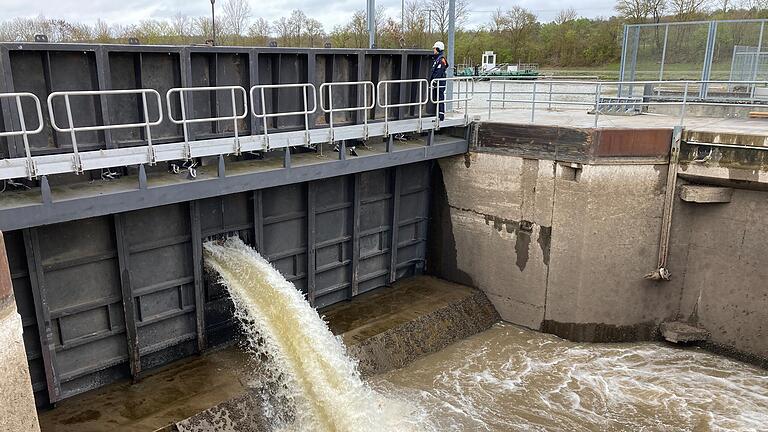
point(662, 272)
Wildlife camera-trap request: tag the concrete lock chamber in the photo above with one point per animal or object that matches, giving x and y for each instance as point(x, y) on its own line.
point(143, 152)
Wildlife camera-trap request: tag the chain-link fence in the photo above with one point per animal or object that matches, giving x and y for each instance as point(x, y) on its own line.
point(702, 50)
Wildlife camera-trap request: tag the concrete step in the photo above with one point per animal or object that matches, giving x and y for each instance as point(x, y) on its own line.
point(682, 332)
point(701, 194)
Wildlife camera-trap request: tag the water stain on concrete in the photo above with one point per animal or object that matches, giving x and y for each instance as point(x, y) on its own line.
point(523, 243)
point(545, 242)
point(441, 249)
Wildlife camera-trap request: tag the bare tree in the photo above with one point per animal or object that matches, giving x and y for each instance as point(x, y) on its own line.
point(415, 24)
point(440, 15)
point(182, 26)
point(283, 30)
point(314, 31)
point(260, 31)
point(687, 9)
point(236, 16)
point(565, 15)
point(634, 11)
point(297, 21)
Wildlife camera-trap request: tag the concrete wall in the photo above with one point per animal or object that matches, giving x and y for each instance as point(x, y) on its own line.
point(562, 244)
point(726, 269)
point(558, 244)
point(17, 404)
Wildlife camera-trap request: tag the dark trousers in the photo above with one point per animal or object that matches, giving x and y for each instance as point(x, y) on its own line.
point(439, 95)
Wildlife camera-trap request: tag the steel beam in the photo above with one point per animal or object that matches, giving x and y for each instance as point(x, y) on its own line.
point(42, 314)
point(126, 288)
point(311, 234)
point(356, 204)
point(393, 241)
point(197, 268)
point(184, 190)
point(258, 221)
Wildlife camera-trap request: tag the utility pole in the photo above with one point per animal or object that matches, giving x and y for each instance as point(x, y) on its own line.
point(213, 22)
point(451, 50)
point(371, 23)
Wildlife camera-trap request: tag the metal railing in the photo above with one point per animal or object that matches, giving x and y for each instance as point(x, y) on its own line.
point(601, 94)
point(24, 133)
point(265, 115)
point(423, 93)
point(72, 129)
point(331, 110)
point(184, 121)
point(468, 93)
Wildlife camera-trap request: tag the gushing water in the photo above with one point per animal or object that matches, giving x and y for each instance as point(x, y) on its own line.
point(316, 386)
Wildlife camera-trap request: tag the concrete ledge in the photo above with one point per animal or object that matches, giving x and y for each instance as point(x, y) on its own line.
point(680, 332)
point(705, 194)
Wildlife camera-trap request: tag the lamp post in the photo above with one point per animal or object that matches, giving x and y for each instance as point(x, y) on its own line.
point(213, 22)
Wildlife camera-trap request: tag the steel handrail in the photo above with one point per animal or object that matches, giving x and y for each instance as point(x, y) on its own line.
point(386, 105)
point(264, 115)
point(330, 110)
point(599, 86)
point(24, 133)
point(469, 93)
point(184, 121)
point(72, 129)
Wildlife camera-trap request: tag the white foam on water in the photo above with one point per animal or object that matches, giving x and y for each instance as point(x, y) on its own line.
point(316, 386)
point(510, 379)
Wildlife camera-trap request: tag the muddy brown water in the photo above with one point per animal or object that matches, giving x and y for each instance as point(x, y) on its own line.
point(504, 379)
point(510, 379)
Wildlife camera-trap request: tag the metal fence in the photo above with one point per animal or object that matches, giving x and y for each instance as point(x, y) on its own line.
point(624, 97)
point(700, 50)
point(258, 104)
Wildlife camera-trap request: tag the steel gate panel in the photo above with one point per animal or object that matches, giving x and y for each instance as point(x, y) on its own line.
point(43, 72)
point(338, 68)
point(375, 226)
point(333, 240)
point(78, 279)
point(108, 310)
point(284, 228)
point(381, 67)
point(283, 68)
point(135, 70)
point(412, 220)
point(211, 70)
point(163, 296)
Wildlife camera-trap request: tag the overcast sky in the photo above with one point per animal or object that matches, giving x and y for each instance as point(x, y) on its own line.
point(330, 13)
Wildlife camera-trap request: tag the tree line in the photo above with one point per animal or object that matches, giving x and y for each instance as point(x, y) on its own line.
point(515, 34)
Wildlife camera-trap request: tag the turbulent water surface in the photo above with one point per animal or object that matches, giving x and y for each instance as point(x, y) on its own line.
point(509, 379)
point(504, 379)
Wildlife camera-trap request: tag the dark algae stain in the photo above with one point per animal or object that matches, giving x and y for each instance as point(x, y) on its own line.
point(523, 243)
point(545, 242)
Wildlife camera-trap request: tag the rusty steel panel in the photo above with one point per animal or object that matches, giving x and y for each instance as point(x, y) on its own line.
point(632, 142)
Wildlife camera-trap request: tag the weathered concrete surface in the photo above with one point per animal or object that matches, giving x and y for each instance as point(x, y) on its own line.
point(499, 219)
point(705, 194)
point(17, 402)
point(681, 332)
point(726, 268)
point(592, 233)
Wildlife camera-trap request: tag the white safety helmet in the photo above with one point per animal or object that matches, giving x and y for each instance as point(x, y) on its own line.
point(439, 45)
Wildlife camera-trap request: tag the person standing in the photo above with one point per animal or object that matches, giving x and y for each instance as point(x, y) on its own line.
point(439, 69)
